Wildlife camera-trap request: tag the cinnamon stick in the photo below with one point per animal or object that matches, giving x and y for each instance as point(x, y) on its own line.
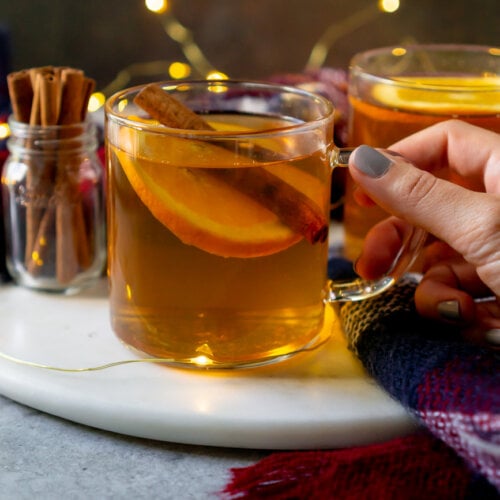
point(292, 206)
point(39, 220)
point(33, 212)
point(36, 260)
point(72, 81)
point(36, 83)
point(88, 88)
point(20, 88)
point(73, 249)
point(34, 72)
point(169, 111)
point(66, 243)
point(25, 95)
point(49, 98)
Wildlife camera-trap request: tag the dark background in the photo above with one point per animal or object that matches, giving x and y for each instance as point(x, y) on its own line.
point(243, 38)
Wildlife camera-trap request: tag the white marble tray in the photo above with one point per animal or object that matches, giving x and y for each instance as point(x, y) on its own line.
point(318, 400)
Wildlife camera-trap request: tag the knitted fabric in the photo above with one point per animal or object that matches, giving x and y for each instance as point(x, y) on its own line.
point(451, 385)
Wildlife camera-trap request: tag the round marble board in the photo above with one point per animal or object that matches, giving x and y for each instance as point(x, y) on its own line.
point(321, 399)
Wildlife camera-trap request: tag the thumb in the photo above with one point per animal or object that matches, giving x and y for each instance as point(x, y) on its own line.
point(464, 219)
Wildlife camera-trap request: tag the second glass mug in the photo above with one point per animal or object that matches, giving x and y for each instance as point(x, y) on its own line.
point(218, 238)
point(397, 91)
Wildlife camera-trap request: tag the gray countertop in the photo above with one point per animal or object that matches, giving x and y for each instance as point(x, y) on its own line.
point(46, 457)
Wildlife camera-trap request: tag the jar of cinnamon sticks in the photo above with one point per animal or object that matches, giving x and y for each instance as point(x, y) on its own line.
point(52, 183)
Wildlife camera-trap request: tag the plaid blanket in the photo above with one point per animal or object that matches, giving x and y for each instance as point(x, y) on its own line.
point(450, 385)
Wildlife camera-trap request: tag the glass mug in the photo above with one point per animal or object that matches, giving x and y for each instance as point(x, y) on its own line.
point(217, 239)
point(396, 91)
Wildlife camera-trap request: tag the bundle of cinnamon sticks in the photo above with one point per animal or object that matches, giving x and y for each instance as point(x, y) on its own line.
point(46, 97)
point(50, 95)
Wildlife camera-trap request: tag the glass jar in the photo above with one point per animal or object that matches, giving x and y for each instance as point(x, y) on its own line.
point(52, 188)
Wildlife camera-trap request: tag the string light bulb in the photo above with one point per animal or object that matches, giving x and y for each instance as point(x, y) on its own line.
point(398, 51)
point(388, 6)
point(202, 360)
point(178, 70)
point(157, 6)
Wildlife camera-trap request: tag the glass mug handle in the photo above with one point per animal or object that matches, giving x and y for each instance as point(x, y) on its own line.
point(358, 288)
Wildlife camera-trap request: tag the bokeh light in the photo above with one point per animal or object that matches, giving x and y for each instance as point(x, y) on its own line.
point(216, 75)
point(157, 6)
point(96, 101)
point(4, 131)
point(388, 5)
point(398, 51)
point(178, 70)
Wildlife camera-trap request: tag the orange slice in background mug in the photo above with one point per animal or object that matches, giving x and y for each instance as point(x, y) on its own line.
point(470, 95)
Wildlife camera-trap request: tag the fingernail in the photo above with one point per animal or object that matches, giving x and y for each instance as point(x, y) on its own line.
point(371, 162)
point(493, 336)
point(449, 310)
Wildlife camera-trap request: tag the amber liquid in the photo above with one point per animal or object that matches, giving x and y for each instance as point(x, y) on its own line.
point(176, 301)
point(379, 125)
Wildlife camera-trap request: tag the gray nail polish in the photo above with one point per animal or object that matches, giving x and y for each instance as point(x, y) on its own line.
point(450, 310)
point(493, 336)
point(371, 162)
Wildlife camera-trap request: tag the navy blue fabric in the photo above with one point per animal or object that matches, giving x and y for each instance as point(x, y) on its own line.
point(340, 269)
point(5, 68)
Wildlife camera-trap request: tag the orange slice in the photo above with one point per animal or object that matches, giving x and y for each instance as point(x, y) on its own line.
point(474, 95)
point(200, 209)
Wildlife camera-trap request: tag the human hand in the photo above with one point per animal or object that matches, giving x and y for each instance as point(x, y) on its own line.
point(455, 195)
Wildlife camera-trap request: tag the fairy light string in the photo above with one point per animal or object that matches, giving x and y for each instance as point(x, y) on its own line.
point(104, 366)
point(200, 361)
point(336, 31)
point(197, 63)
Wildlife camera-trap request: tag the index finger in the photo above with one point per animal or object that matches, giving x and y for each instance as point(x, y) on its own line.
point(470, 151)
